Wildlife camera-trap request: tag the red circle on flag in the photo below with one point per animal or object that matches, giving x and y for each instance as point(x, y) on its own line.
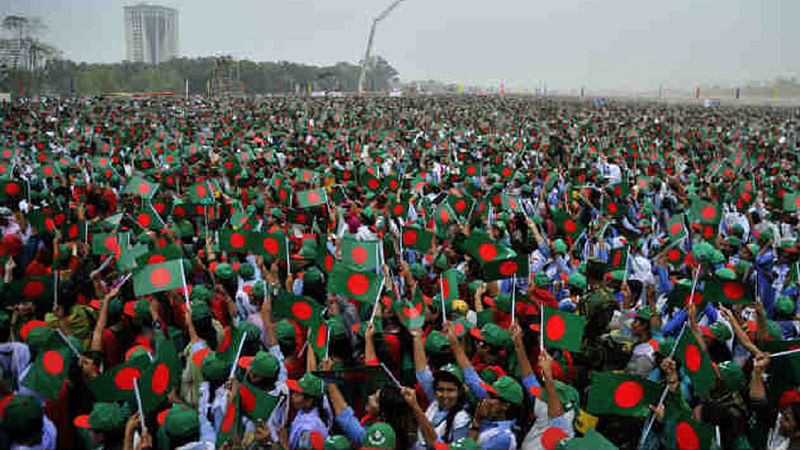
point(271, 245)
point(72, 231)
point(230, 415)
point(708, 232)
point(555, 328)
point(487, 252)
point(12, 188)
point(512, 203)
point(201, 191)
point(33, 289)
point(444, 216)
point(508, 268)
point(697, 298)
point(124, 378)
point(617, 259)
point(674, 255)
point(322, 335)
point(328, 262)
point(733, 291)
point(446, 287)
point(397, 210)
point(551, 437)
point(413, 313)
point(156, 259)
point(612, 207)
point(160, 380)
point(410, 237)
point(143, 219)
point(675, 228)
point(301, 310)
point(47, 170)
point(228, 165)
point(248, 399)
point(282, 194)
point(312, 197)
point(693, 358)
point(49, 224)
point(60, 219)
point(237, 240)
point(686, 437)
point(471, 170)
point(110, 243)
point(796, 200)
point(143, 188)
point(358, 284)
point(372, 183)
point(359, 255)
point(160, 277)
point(628, 394)
point(709, 212)
point(53, 362)
point(570, 226)
point(506, 172)
point(496, 199)
point(461, 205)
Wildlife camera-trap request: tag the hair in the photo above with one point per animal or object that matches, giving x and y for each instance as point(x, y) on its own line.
point(175, 442)
point(461, 403)
point(394, 411)
point(32, 434)
point(206, 331)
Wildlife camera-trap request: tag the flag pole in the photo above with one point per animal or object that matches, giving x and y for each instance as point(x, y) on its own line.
point(139, 403)
point(541, 327)
point(185, 288)
point(441, 295)
point(513, 298)
point(391, 376)
point(236, 359)
point(66, 341)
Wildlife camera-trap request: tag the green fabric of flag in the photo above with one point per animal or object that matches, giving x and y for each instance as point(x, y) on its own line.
point(398, 209)
point(417, 238)
point(162, 375)
point(107, 243)
point(502, 269)
point(726, 291)
point(622, 395)
point(696, 363)
point(312, 197)
point(148, 219)
point(11, 189)
point(304, 310)
point(567, 224)
point(676, 228)
point(158, 277)
point(159, 255)
point(201, 194)
point(231, 421)
point(38, 290)
point(461, 205)
point(141, 187)
point(791, 202)
point(685, 433)
point(562, 329)
point(269, 244)
point(237, 241)
point(448, 284)
point(362, 255)
point(116, 383)
point(444, 217)
point(592, 440)
point(257, 404)
point(483, 248)
point(362, 286)
point(512, 203)
point(411, 313)
point(681, 296)
point(49, 370)
point(706, 212)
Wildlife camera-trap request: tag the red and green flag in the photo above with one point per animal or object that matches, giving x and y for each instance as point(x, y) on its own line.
point(461, 205)
point(49, 371)
point(116, 383)
point(158, 277)
point(502, 269)
point(443, 217)
point(706, 213)
point(325, 258)
point(237, 241)
point(106, 243)
point(448, 284)
point(162, 375)
point(229, 427)
point(618, 258)
point(11, 189)
point(417, 238)
point(272, 245)
point(75, 231)
point(362, 286)
point(622, 395)
point(676, 228)
point(563, 329)
point(362, 255)
point(398, 209)
point(681, 296)
point(676, 257)
point(791, 202)
point(147, 218)
point(257, 404)
point(614, 207)
point(685, 433)
point(486, 250)
point(160, 255)
point(141, 187)
point(728, 291)
point(38, 290)
point(201, 193)
point(411, 313)
point(471, 170)
point(512, 203)
point(305, 176)
point(696, 363)
point(567, 224)
point(304, 310)
point(312, 197)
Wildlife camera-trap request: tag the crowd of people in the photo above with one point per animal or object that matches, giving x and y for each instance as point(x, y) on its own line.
point(396, 273)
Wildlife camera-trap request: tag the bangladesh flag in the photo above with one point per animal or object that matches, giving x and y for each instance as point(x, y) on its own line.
point(158, 277)
point(684, 433)
point(512, 203)
point(622, 395)
point(75, 231)
point(791, 202)
point(461, 205)
point(706, 213)
point(141, 187)
point(162, 375)
point(116, 383)
point(472, 170)
point(443, 217)
point(676, 257)
point(48, 372)
point(230, 421)
point(107, 243)
point(362, 255)
point(305, 176)
point(318, 340)
point(411, 313)
point(592, 439)
point(562, 329)
point(272, 245)
point(202, 193)
point(449, 284)
point(676, 228)
point(325, 259)
point(304, 310)
point(312, 197)
point(568, 225)
point(257, 404)
point(614, 207)
point(486, 250)
point(417, 238)
point(235, 241)
point(398, 209)
point(784, 371)
point(362, 286)
point(11, 189)
point(502, 269)
point(681, 296)
point(148, 219)
point(724, 291)
point(159, 255)
point(618, 258)
point(619, 190)
point(38, 290)
point(696, 363)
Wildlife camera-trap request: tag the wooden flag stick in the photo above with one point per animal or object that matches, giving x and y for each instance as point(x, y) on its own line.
point(139, 403)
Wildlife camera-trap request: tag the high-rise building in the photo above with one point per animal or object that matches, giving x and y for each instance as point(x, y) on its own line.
point(151, 33)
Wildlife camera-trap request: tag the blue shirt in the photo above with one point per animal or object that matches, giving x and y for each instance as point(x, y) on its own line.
point(303, 425)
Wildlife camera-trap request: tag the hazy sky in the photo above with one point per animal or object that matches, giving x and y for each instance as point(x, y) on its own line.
point(600, 44)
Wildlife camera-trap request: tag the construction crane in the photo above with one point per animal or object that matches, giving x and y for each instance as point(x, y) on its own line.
point(362, 77)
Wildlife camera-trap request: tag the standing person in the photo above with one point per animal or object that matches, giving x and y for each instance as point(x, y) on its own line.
point(311, 417)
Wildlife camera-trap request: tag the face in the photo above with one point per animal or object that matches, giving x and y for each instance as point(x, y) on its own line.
point(96, 436)
point(639, 327)
point(373, 405)
point(497, 408)
point(446, 394)
point(300, 402)
point(788, 426)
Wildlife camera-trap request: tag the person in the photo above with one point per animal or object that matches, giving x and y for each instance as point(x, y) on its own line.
point(311, 417)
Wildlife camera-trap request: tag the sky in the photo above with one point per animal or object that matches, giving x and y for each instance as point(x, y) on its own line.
point(605, 44)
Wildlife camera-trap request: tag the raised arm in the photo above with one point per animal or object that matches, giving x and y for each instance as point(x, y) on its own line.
point(554, 407)
point(524, 363)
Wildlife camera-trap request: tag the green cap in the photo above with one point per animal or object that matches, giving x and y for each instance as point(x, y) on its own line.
point(502, 302)
point(379, 435)
point(774, 330)
point(437, 343)
point(725, 274)
point(642, 313)
point(336, 442)
point(250, 330)
point(200, 293)
point(492, 335)
point(107, 417)
point(440, 262)
point(181, 421)
point(141, 309)
point(21, 412)
point(577, 280)
point(285, 331)
point(464, 443)
point(417, 271)
point(259, 289)
point(312, 275)
point(541, 280)
point(224, 271)
point(309, 249)
point(734, 241)
point(39, 336)
point(247, 271)
point(462, 326)
point(719, 331)
point(214, 368)
point(309, 385)
point(507, 389)
point(200, 310)
point(784, 306)
point(732, 375)
point(449, 372)
point(560, 246)
point(568, 395)
point(753, 248)
point(264, 365)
